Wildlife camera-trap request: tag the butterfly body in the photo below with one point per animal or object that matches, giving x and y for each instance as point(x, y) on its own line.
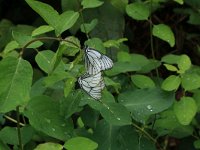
point(96, 62)
point(92, 84)
point(92, 81)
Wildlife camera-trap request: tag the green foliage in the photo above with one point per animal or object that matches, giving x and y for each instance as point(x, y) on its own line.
point(152, 91)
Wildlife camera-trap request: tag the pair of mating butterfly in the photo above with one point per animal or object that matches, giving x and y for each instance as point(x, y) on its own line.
point(92, 81)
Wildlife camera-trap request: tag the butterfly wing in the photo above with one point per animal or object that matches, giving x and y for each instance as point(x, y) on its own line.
point(92, 84)
point(95, 61)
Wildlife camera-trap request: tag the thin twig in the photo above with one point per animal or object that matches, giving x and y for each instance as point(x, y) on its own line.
point(18, 129)
point(13, 120)
point(45, 38)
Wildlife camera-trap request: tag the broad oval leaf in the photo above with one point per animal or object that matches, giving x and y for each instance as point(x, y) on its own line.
point(165, 33)
point(142, 81)
point(190, 81)
point(16, 79)
point(115, 114)
point(43, 114)
point(80, 143)
point(146, 101)
point(49, 146)
point(185, 110)
point(44, 59)
point(184, 63)
point(91, 3)
point(171, 83)
point(138, 11)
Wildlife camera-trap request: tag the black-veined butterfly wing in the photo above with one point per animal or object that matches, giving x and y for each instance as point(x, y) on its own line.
point(92, 84)
point(95, 61)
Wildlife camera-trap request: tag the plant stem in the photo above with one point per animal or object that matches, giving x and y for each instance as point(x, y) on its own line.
point(147, 134)
point(13, 120)
point(18, 129)
point(45, 38)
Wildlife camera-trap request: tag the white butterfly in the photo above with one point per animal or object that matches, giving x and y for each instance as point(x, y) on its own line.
point(95, 61)
point(92, 84)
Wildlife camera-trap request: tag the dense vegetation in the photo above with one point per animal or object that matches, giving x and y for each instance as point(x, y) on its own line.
point(152, 96)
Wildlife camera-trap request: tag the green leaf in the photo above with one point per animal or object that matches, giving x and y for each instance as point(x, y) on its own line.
point(43, 114)
point(190, 81)
point(80, 143)
point(3, 146)
point(70, 47)
point(171, 59)
point(97, 44)
point(42, 29)
point(16, 79)
point(87, 27)
point(23, 39)
point(119, 4)
point(114, 43)
point(104, 14)
point(91, 3)
point(165, 33)
point(146, 101)
point(44, 59)
point(138, 11)
point(59, 22)
point(9, 135)
point(66, 21)
point(179, 1)
point(167, 123)
point(115, 114)
point(170, 67)
point(70, 104)
point(123, 67)
point(12, 45)
point(197, 144)
point(184, 63)
point(106, 133)
point(142, 81)
point(69, 85)
point(171, 83)
point(49, 146)
point(185, 110)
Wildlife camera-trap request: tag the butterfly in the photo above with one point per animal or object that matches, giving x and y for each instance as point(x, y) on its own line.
point(92, 84)
point(95, 61)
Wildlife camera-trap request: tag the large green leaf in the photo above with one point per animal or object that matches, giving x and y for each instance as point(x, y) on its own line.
point(146, 101)
point(9, 135)
point(138, 11)
point(105, 135)
point(167, 123)
point(165, 33)
point(3, 146)
point(43, 114)
point(70, 104)
point(22, 39)
point(185, 110)
point(16, 78)
point(105, 30)
point(115, 114)
point(111, 137)
point(80, 143)
point(59, 22)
